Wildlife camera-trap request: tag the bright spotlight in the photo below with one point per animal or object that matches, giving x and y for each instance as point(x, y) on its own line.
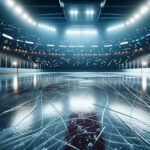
point(89, 12)
point(74, 12)
point(81, 32)
point(35, 65)
point(136, 16)
point(30, 20)
point(73, 32)
point(10, 3)
point(89, 32)
point(34, 23)
point(132, 20)
point(18, 10)
point(144, 63)
point(143, 9)
point(127, 23)
point(25, 16)
point(7, 36)
point(15, 63)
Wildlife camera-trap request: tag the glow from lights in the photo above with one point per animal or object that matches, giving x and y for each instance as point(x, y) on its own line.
point(29, 42)
point(34, 78)
point(119, 26)
point(22, 119)
point(130, 113)
point(18, 10)
point(50, 45)
point(81, 32)
point(94, 46)
point(89, 32)
point(81, 103)
point(51, 110)
point(47, 28)
point(127, 23)
point(90, 12)
point(15, 63)
point(137, 16)
point(73, 32)
point(107, 46)
point(132, 20)
point(25, 16)
point(144, 83)
point(62, 46)
point(35, 65)
point(124, 43)
point(80, 46)
point(10, 3)
point(7, 36)
point(74, 12)
point(144, 63)
point(15, 83)
point(143, 9)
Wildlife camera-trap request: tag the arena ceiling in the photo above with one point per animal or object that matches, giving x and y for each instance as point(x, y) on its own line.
point(51, 10)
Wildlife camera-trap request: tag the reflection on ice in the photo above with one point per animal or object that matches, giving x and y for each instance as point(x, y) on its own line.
point(134, 116)
point(144, 83)
point(34, 80)
point(22, 119)
point(52, 109)
point(15, 83)
point(80, 110)
point(81, 102)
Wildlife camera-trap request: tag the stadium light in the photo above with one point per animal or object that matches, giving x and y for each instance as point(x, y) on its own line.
point(143, 9)
point(89, 32)
point(89, 12)
point(74, 12)
point(10, 3)
point(7, 36)
point(73, 32)
point(148, 3)
point(81, 32)
point(35, 65)
point(46, 27)
point(124, 43)
point(144, 63)
point(15, 64)
point(25, 16)
point(132, 20)
point(136, 16)
point(18, 10)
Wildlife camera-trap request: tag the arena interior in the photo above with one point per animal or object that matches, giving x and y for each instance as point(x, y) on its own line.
point(75, 75)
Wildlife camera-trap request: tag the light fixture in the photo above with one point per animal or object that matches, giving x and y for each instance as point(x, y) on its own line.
point(15, 63)
point(10, 3)
point(25, 16)
point(136, 16)
point(143, 9)
point(35, 65)
point(74, 12)
point(144, 63)
point(132, 20)
point(90, 12)
point(81, 32)
point(18, 10)
point(7, 36)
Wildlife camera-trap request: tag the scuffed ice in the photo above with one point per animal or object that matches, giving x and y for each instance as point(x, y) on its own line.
point(75, 111)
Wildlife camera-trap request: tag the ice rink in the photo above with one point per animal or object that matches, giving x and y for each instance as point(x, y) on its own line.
point(81, 111)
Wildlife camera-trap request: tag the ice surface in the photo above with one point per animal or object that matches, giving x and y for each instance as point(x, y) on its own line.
point(91, 111)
